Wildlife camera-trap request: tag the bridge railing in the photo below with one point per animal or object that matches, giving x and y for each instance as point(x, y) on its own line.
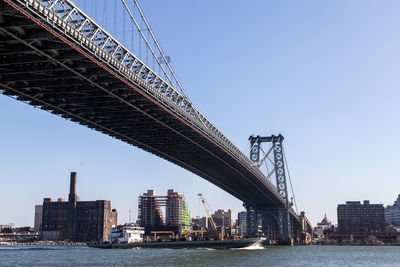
point(73, 23)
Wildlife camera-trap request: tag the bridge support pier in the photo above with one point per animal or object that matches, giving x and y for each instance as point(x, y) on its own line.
point(269, 227)
point(276, 222)
point(272, 223)
point(284, 223)
point(252, 220)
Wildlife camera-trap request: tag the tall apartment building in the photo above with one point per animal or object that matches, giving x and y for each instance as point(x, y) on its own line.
point(392, 213)
point(355, 218)
point(242, 222)
point(177, 213)
point(150, 213)
point(37, 224)
point(242, 217)
point(177, 217)
point(173, 208)
point(81, 221)
point(223, 222)
point(223, 218)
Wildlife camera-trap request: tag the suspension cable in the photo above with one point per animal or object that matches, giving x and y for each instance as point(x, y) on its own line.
point(159, 49)
point(147, 43)
point(105, 13)
point(290, 180)
point(186, 99)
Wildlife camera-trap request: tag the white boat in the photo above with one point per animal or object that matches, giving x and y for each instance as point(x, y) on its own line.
point(128, 233)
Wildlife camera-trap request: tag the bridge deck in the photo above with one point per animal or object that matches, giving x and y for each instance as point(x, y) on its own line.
point(47, 69)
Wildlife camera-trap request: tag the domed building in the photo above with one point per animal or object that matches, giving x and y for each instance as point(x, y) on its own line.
point(325, 221)
point(319, 229)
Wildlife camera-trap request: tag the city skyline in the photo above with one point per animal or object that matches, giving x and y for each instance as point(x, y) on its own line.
point(331, 67)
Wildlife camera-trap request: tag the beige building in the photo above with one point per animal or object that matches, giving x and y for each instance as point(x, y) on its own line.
point(37, 225)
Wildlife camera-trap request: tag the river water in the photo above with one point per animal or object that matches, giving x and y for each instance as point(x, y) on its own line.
point(258, 256)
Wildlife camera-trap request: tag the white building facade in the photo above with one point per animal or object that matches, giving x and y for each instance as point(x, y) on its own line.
point(392, 213)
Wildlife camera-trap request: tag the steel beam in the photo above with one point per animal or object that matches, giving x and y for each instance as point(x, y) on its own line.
point(196, 144)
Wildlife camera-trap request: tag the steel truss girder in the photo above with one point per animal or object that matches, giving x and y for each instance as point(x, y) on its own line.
point(151, 88)
point(126, 136)
point(36, 59)
point(43, 68)
point(67, 82)
point(56, 75)
point(93, 38)
point(46, 46)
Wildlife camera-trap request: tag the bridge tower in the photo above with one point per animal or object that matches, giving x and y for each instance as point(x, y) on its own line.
point(268, 215)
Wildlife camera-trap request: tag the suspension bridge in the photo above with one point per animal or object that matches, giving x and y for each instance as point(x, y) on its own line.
point(56, 57)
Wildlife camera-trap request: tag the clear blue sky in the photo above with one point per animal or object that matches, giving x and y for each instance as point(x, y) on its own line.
point(325, 74)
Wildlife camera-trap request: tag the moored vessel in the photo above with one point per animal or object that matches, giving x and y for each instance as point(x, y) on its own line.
point(214, 244)
point(125, 234)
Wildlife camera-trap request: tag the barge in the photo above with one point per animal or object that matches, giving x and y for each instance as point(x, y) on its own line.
point(212, 244)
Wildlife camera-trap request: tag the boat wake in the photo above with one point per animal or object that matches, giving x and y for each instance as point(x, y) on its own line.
point(205, 248)
point(135, 248)
point(253, 247)
point(256, 246)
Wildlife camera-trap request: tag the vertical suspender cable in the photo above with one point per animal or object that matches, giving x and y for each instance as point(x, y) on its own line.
point(124, 27)
point(105, 13)
point(95, 12)
point(147, 43)
point(188, 104)
point(160, 50)
point(132, 39)
point(115, 18)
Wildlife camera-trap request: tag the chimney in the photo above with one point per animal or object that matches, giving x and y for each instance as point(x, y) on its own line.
point(71, 208)
point(72, 188)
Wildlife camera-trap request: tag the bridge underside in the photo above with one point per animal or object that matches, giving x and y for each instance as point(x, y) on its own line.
point(54, 74)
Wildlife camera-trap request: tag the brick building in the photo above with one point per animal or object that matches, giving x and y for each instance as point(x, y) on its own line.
point(357, 218)
point(81, 221)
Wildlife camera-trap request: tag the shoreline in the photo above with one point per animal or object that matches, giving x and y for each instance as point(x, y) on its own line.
point(43, 243)
point(347, 243)
point(181, 245)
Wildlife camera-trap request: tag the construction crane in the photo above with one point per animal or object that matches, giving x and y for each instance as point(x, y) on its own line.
point(208, 214)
